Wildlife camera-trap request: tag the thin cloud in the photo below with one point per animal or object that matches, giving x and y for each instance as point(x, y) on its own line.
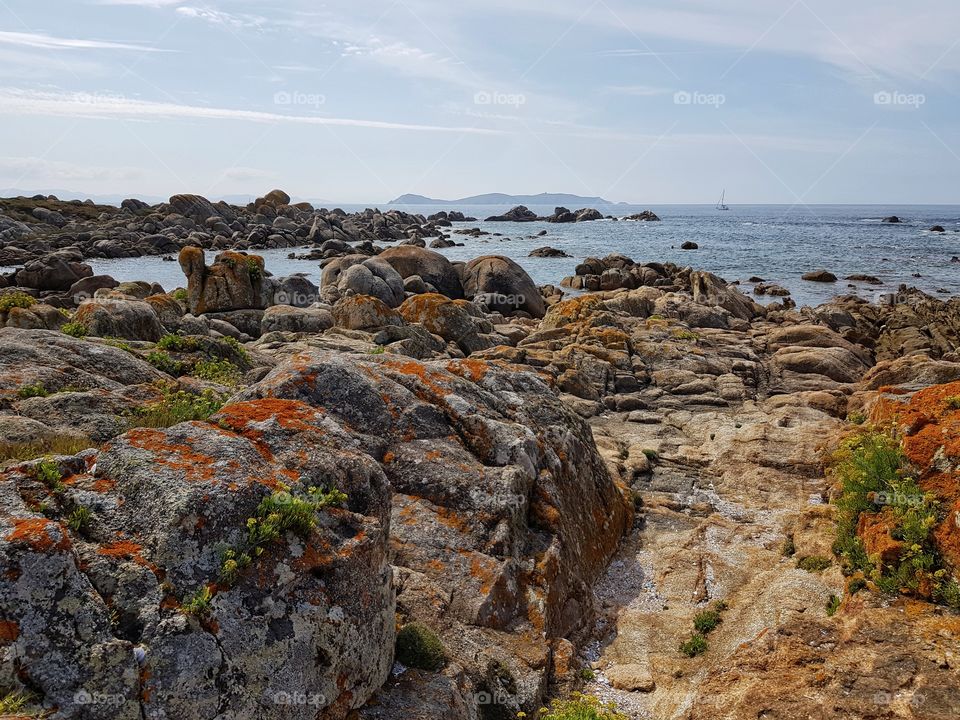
point(49, 42)
point(14, 101)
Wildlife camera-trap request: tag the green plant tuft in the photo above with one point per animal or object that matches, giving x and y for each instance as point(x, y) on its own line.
point(706, 621)
point(833, 604)
point(162, 361)
point(79, 518)
point(419, 647)
point(222, 372)
point(74, 329)
point(580, 707)
point(198, 604)
point(696, 645)
point(814, 563)
point(32, 391)
point(16, 299)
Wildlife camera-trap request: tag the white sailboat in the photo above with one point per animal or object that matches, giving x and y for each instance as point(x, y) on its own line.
point(721, 205)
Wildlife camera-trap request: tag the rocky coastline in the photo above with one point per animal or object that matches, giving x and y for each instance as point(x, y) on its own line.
point(434, 490)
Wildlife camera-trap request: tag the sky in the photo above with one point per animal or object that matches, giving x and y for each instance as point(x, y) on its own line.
point(667, 101)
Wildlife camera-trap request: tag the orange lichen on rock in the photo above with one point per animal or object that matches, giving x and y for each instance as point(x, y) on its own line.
point(36, 533)
point(289, 414)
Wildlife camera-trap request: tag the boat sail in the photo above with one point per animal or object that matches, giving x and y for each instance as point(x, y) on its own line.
point(720, 204)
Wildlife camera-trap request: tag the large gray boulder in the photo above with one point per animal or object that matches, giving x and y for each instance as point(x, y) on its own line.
point(127, 319)
point(502, 285)
point(362, 275)
point(432, 267)
point(304, 630)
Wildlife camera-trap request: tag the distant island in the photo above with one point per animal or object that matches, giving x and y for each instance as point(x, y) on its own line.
point(503, 199)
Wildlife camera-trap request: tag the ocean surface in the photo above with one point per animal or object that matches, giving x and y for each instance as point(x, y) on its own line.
point(776, 243)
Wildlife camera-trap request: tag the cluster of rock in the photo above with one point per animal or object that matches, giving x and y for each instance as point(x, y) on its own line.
point(547, 484)
point(42, 232)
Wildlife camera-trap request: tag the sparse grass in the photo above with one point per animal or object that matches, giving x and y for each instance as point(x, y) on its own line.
point(419, 647)
point(79, 519)
point(683, 334)
point(176, 407)
point(814, 563)
point(580, 707)
point(16, 299)
point(833, 604)
point(59, 445)
point(32, 391)
point(13, 703)
point(162, 361)
point(222, 372)
point(277, 514)
point(74, 329)
point(695, 645)
point(198, 604)
point(118, 343)
point(856, 418)
point(379, 350)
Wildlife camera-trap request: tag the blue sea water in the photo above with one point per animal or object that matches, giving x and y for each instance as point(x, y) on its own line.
point(774, 242)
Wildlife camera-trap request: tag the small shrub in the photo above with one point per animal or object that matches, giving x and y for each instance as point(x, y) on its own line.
point(581, 707)
point(856, 585)
point(419, 647)
point(198, 604)
point(32, 391)
point(833, 604)
point(253, 269)
point(74, 329)
point(277, 514)
point(652, 455)
point(789, 548)
point(696, 645)
point(587, 675)
point(162, 361)
point(814, 563)
point(178, 343)
point(222, 372)
point(79, 519)
point(48, 472)
point(16, 299)
point(176, 407)
point(239, 349)
point(953, 402)
point(180, 294)
point(706, 621)
point(856, 418)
